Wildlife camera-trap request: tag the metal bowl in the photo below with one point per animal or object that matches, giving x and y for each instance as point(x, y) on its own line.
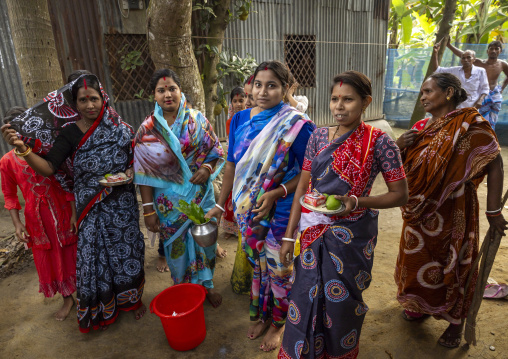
point(205, 234)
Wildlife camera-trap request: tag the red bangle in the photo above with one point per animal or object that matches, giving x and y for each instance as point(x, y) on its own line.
point(492, 215)
point(208, 167)
point(285, 190)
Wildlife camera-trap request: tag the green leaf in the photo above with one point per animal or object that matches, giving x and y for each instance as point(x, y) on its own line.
point(407, 29)
point(399, 7)
point(193, 211)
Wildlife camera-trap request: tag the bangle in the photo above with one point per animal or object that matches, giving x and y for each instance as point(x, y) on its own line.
point(497, 210)
point(24, 154)
point(356, 205)
point(219, 207)
point(148, 204)
point(492, 215)
point(286, 239)
point(285, 190)
point(208, 167)
point(149, 214)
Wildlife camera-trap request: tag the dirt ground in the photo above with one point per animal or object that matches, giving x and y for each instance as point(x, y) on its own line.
point(28, 330)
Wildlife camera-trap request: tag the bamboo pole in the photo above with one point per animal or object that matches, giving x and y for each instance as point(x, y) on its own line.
point(487, 254)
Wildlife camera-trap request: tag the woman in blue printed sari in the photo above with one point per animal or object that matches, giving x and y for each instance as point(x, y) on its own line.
point(266, 149)
point(326, 308)
point(110, 257)
point(176, 157)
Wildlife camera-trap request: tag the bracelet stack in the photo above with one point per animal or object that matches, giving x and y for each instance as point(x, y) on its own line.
point(208, 167)
point(24, 154)
point(495, 213)
point(148, 204)
point(285, 190)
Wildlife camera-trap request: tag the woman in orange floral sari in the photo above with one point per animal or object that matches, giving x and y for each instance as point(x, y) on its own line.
point(445, 158)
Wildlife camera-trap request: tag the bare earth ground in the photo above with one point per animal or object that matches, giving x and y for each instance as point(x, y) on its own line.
point(28, 330)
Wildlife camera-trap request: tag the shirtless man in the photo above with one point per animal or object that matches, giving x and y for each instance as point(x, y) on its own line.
point(492, 103)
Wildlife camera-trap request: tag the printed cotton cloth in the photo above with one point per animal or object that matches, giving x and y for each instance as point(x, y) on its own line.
point(165, 158)
point(326, 308)
point(440, 233)
point(492, 105)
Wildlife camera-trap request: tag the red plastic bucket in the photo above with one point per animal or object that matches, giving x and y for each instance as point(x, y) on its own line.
point(185, 330)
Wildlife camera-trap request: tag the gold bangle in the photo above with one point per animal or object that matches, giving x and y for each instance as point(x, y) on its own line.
point(24, 154)
point(149, 214)
point(208, 167)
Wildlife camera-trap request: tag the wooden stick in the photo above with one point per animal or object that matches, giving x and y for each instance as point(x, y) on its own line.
point(487, 254)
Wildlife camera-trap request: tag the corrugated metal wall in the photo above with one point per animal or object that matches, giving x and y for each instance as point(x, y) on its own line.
point(11, 88)
point(350, 35)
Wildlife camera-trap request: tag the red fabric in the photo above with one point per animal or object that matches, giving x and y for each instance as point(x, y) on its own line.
point(228, 124)
point(228, 221)
point(420, 125)
point(47, 221)
point(45, 202)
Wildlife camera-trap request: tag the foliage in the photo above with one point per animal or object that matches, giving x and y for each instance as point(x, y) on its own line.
point(193, 211)
point(130, 60)
point(417, 21)
point(141, 95)
point(233, 66)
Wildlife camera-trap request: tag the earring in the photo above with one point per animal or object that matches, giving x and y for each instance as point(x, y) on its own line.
point(447, 98)
point(363, 110)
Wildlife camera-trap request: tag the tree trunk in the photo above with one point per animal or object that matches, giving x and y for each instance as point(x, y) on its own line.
point(35, 49)
point(169, 39)
point(444, 30)
point(216, 32)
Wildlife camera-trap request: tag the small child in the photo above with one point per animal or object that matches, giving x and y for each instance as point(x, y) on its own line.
point(50, 223)
point(301, 103)
point(238, 100)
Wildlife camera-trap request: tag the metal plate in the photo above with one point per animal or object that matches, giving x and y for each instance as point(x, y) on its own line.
point(321, 209)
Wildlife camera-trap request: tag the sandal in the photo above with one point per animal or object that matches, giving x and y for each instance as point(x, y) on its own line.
point(449, 340)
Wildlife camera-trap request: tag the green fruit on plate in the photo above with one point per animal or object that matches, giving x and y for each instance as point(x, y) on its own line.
point(108, 175)
point(332, 203)
point(326, 195)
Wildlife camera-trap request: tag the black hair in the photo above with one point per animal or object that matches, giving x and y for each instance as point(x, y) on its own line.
point(91, 81)
point(13, 112)
point(495, 43)
point(279, 69)
point(249, 80)
point(237, 91)
point(158, 74)
point(76, 74)
point(355, 79)
point(445, 80)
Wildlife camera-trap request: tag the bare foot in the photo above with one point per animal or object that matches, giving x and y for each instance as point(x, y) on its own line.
point(140, 312)
point(452, 336)
point(220, 252)
point(213, 297)
point(271, 340)
point(62, 313)
point(162, 265)
point(257, 329)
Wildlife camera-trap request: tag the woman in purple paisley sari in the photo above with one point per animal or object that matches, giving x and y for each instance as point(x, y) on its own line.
point(326, 309)
point(110, 256)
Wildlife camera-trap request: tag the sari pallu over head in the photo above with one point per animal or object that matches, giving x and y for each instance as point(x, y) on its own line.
point(453, 150)
point(262, 144)
point(341, 168)
point(166, 158)
point(105, 148)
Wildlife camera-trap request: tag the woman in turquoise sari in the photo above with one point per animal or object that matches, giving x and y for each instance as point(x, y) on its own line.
point(176, 156)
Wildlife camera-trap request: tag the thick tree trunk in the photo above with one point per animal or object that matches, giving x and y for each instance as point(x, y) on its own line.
point(444, 30)
point(169, 39)
point(35, 49)
point(216, 32)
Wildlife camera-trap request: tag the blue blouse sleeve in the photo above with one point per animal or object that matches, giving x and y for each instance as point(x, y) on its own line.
point(300, 144)
point(232, 129)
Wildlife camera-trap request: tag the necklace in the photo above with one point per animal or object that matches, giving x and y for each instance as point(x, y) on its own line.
point(335, 133)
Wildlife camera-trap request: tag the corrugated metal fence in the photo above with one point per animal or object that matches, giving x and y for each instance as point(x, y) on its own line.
point(11, 88)
point(350, 35)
